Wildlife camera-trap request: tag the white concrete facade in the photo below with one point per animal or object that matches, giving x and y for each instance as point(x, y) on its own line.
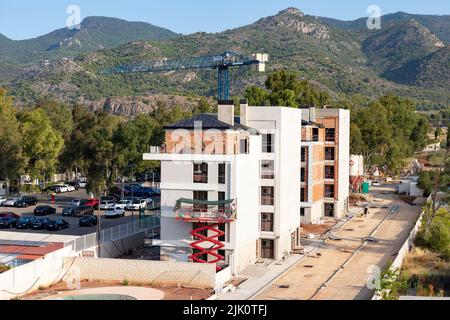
point(257, 193)
point(285, 124)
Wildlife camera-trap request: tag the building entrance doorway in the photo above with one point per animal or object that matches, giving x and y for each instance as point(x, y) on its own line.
point(267, 249)
point(329, 210)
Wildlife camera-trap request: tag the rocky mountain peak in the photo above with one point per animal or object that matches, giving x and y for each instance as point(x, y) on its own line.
point(291, 11)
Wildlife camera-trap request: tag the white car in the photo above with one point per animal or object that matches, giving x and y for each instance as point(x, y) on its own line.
point(107, 205)
point(2, 201)
point(121, 205)
point(75, 203)
point(69, 188)
point(377, 183)
point(61, 189)
point(149, 202)
point(11, 202)
point(137, 205)
point(82, 184)
point(114, 213)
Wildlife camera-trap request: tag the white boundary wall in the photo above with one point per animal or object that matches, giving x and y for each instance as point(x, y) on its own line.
point(406, 248)
point(29, 277)
point(192, 275)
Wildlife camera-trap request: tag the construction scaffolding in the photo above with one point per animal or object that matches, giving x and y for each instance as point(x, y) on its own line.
point(208, 217)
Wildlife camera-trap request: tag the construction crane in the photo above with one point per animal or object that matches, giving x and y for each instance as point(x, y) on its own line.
point(221, 63)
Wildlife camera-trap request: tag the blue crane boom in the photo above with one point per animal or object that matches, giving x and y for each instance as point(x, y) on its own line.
point(221, 63)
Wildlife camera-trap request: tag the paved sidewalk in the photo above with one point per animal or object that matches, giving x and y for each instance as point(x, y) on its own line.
point(334, 275)
point(261, 276)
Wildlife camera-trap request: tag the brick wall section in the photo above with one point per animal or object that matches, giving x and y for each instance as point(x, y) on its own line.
point(200, 276)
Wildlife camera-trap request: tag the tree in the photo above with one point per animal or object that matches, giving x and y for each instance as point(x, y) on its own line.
point(357, 145)
point(441, 183)
point(41, 143)
point(202, 107)
point(438, 133)
point(12, 159)
point(285, 88)
point(60, 117)
point(257, 96)
point(102, 154)
point(76, 155)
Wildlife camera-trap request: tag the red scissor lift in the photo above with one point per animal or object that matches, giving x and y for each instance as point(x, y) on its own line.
point(208, 216)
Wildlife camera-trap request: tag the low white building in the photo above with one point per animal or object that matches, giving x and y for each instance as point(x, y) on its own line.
point(410, 187)
point(2, 188)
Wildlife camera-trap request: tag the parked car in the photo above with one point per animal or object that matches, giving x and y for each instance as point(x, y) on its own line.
point(69, 188)
point(149, 202)
point(57, 189)
point(75, 203)
point(115, 213)
point(94, 203)
point(44, 211)
point(121, 205)
point(8, 222)
point(2, 201)
point(83, 211)
point(75, 185)
point(57, 225)
point(9, 215)
point(69, 211)
point(106, 205)
point(25, 222)
point(137, 205)
point(377, 183)
point(82, 184)
point(88, 221)
point(26, 201)
point(40, 224)
point(12, 202)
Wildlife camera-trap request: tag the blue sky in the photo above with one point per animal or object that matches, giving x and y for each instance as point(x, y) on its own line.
point(22, 19)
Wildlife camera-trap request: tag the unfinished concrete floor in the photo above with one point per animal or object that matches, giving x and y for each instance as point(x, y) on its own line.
point(305, 280)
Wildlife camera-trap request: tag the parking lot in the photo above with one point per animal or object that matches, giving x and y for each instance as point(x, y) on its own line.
point(62, 201)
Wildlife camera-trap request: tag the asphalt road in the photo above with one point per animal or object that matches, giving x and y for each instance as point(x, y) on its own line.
point(62, 201)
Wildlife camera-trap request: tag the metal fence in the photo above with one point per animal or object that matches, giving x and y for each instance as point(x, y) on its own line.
point(149, 225)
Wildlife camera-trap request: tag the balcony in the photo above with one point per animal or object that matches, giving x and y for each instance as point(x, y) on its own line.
point(206, 211)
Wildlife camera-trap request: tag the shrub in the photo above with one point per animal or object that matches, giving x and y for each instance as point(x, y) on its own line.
point(4, 268)
point(439, 236)
point(125, 283)
point(28, 188)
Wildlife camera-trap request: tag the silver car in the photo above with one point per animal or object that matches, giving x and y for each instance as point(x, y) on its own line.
point(11, 202)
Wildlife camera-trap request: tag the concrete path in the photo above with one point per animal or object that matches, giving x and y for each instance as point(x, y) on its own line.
point(338, 274)
point(260, 276)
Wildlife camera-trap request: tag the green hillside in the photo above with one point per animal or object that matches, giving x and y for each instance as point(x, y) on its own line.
point(343, 62)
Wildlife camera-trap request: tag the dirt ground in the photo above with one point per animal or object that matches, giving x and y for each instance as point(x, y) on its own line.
point(171, 293)
point(331, 275)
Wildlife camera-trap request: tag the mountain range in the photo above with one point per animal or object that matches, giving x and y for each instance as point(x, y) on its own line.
point(409, 56)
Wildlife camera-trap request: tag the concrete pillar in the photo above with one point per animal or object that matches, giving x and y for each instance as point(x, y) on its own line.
point(244, 112)
point(226, 112)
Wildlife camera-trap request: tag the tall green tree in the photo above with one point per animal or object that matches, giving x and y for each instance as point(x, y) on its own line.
point(41, 143)
point(12, 159)
point(60, 116)
point(284, 88)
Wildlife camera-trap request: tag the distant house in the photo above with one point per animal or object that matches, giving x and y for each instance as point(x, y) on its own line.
point(435, 146)
point(2, 188)
point(410, 187)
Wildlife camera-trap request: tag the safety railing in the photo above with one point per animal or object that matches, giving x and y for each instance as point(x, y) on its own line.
point(146, 224)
